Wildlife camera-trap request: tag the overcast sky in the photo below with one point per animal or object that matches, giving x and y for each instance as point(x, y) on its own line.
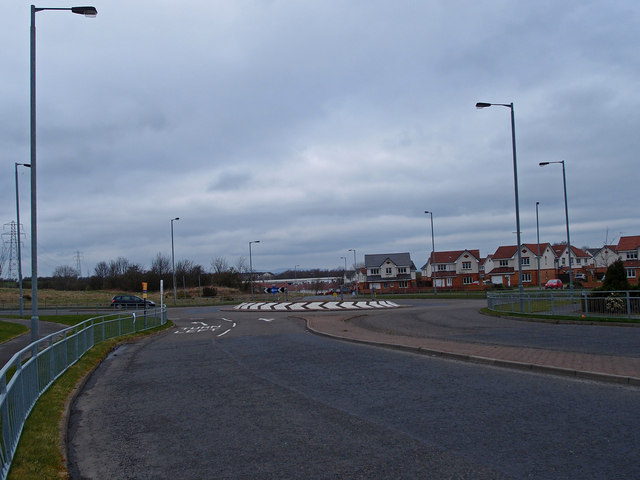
point(319, 126)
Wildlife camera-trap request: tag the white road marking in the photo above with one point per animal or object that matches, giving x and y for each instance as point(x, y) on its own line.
point(225, 332)
point(267, 319)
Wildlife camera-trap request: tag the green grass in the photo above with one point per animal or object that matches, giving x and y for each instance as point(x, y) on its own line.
point(560, 318)
point(39, 454)
point(10, 330)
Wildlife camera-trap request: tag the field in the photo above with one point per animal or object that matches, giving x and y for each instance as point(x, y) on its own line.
point(10, 298)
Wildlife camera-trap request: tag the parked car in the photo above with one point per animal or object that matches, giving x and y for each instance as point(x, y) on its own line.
point(130, 301)
point(581, 276)
point(554, 283)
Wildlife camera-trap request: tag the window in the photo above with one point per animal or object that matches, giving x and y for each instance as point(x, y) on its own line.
point(375, 271)
point(631, 273)
point(525, 261)
point(403, 284)
point(504, 263)
point(632, 255)
point(442, 268)
point(466, 265)
point(402, 269)
point(449, 282)
point(526, 278)
point(467, 280)
point(389, 270)
point(578, 261)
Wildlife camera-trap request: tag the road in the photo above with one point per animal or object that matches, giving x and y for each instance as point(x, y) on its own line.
point(254, 395)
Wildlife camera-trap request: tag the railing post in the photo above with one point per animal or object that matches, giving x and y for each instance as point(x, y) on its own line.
point(628, 304)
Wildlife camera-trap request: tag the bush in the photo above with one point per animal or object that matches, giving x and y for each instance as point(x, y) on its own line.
point(209, 292)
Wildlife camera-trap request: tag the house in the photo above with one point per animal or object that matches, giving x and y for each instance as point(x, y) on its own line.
point(581, 261)
point(502, 266)
point(453, 269)
point(628, 250)
point(389, 272)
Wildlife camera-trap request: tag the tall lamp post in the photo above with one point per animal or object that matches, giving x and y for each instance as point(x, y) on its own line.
point(538, 238)
point(251, 268)
point(19, 241)
point(344, 278)
point(173, 263)
point(355, 268)
point(515, 186)
point(87, 12)
point(433, 254)
point(566, 214)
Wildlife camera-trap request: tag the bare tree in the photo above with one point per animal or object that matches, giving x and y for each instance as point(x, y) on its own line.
point(161, 265)
point(220, 265)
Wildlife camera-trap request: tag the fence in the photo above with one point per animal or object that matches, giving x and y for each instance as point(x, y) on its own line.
point(611, 305)
point(33, 369)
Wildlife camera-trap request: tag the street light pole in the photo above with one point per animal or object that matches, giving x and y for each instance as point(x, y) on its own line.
point(19, 241)
point(88, 12)
point(515, 186)
point(173, 264)
point(344, 278)
point(355, 268)
point(251, 268)
point(538, 237)
point(433, 254)
point(566, 215)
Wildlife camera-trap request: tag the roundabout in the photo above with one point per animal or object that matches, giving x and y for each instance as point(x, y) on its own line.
point(316, 306)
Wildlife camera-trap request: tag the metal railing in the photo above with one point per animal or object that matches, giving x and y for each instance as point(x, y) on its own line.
point(33, 369)
point(582, 303)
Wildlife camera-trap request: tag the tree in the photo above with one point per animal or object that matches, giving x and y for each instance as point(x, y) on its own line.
point(64, 277)
point(616, 277)
point(161, 265)
point(219, 265)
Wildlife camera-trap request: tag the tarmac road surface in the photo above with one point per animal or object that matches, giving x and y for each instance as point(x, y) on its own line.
point(255, 395)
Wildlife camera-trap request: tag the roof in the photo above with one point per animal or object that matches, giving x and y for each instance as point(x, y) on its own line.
point(626, 244)
point(499, 270)
point(577, 252)
point(376, 260)
point(505, 251)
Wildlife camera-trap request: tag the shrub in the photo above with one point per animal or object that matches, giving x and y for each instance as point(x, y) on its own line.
point(209, 292)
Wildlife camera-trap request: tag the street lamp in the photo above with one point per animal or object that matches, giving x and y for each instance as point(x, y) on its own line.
point(89, 12)
point(173, 263)
point(19, 241)
point(566, 214)
point(433, 254)
point(251, 268)
point(355, 268)
point(538, 237)
point(515, 186)
point(344, 278)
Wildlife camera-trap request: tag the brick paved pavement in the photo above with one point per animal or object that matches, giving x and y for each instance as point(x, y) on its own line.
point(607, 368)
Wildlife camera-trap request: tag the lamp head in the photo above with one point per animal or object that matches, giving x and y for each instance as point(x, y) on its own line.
point(542, 164)
point(483, 105)
point(86, 11)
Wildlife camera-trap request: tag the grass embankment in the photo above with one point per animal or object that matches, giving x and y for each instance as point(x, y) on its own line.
point(40, 450)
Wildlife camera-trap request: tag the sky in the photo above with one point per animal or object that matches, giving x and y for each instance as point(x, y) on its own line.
point(317, 127)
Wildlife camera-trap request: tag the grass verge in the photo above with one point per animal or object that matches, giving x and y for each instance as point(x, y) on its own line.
point(562, 318)
point(39, 454)
point(10, 330)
